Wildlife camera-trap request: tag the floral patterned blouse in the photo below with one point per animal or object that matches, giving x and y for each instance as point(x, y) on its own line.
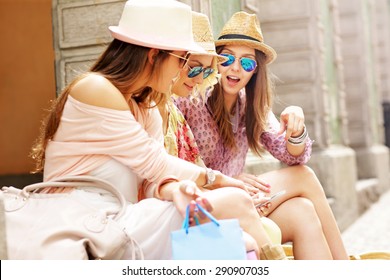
point(179, 140)
point(232, 162)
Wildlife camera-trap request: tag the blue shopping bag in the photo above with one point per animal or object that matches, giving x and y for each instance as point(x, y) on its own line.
point(216, 240)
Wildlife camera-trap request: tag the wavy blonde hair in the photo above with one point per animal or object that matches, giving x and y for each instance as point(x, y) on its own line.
point(199, 91)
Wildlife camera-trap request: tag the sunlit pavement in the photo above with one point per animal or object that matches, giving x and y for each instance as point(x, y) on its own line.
point(371, 231)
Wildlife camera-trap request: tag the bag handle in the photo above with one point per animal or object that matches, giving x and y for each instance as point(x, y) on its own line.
point(81, 181)
point(186, 222)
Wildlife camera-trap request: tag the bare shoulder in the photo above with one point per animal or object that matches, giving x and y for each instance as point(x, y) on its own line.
point(96, 90)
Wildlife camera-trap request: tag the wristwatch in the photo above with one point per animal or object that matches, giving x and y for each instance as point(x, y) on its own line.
point(210, 174)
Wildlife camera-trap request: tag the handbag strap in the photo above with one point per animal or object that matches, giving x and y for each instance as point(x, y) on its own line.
point(186, 222)
point(81, 182)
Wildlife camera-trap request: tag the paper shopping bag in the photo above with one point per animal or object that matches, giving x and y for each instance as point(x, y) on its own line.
point(216, 240)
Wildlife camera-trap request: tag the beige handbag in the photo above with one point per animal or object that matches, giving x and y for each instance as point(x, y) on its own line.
point(64, 226)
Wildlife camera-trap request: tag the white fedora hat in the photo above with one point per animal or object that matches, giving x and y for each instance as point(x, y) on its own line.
point(160, 24)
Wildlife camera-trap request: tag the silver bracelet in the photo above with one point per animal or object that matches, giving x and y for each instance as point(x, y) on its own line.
point(300, 139)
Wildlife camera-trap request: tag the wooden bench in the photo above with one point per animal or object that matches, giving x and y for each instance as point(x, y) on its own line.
point(373, 255)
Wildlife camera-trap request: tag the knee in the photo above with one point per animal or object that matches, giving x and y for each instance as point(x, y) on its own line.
point(297, 218)
point(311, 181)
point(229, 202)
point(306, 172)
point(240, 198)
point(307, 214)
point(231, 199)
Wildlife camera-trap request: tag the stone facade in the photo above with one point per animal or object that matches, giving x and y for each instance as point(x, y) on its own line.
point(80, 34)
point(309, 67)
point(333, 57)
point(360, 44)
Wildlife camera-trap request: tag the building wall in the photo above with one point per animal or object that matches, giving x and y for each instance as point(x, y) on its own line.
point(26, 79)
point(309, 68)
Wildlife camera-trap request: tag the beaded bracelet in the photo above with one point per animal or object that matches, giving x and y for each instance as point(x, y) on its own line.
point(300, 139)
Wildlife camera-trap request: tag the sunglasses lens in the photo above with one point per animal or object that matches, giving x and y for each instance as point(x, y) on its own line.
point(230, 60)
point(195, 71)
point(248, 64)
point(207, 72)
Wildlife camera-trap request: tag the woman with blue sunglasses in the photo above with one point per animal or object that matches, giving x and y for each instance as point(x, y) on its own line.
point(199, 73)
point(236, 115)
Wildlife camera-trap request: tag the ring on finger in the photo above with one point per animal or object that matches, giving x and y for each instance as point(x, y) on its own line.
point(264, 210)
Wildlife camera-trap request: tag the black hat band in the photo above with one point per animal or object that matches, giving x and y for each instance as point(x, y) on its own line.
point(237, 36)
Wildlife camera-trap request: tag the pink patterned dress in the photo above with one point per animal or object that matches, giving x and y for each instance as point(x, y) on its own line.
point(232, 162)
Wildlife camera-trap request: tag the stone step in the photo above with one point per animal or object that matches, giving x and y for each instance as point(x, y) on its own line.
point(367, 191)
point(256, 165)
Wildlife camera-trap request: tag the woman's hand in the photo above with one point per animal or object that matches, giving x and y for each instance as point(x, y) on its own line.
point(249, 183)
point(262, 204)
point(222, 180)
point(292, 120)
point(187, 193)
point(253, 183)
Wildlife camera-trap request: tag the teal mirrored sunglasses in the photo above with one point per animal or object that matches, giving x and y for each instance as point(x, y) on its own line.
point(195, 71)
point(247, 64)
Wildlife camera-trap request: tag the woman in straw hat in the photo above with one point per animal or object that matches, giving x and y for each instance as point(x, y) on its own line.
point(199, 73)
point(106, 124)
point(236, 115)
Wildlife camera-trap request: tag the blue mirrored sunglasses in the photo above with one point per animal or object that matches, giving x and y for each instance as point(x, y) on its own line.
point(247, 64)
point(195, 71)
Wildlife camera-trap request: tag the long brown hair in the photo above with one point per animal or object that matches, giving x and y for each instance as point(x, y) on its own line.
point(121, 63)
point(259, 98)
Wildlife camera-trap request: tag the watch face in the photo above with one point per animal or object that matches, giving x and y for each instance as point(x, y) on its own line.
point(210, 176)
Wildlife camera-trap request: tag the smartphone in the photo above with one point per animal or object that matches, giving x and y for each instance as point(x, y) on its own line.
point(271, 198)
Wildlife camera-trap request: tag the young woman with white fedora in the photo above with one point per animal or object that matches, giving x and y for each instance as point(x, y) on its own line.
point(236, 115)
point(106, 124)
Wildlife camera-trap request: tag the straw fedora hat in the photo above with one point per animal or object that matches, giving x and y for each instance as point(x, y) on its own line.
point(160, 24)
point(203, 36)
point(244, 29)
